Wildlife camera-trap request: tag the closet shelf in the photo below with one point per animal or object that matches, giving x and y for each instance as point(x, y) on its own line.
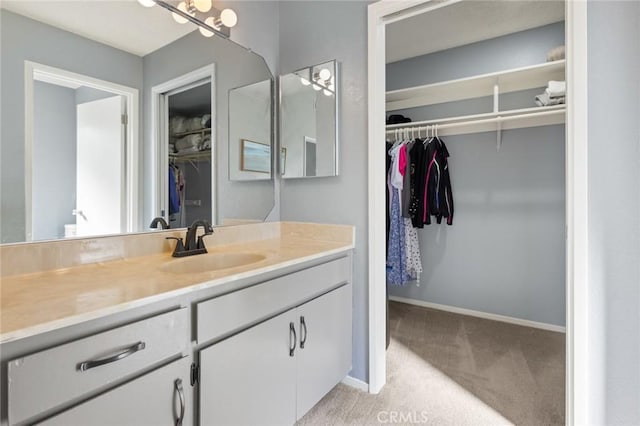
point(191, 132)
point(191, 156)
point(511, 80)
point(503, 120)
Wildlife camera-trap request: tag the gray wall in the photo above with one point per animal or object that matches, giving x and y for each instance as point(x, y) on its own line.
point(515, 50)
point(54, 160)
point(312, 32)
point(235, 67)
point(614, 212)
point(505, 253)
point(25, 39)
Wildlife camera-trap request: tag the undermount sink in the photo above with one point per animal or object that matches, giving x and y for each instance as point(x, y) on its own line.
point(210, 262)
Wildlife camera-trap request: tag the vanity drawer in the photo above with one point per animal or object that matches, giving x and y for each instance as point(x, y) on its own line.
point(47, 379)
point(234, 311)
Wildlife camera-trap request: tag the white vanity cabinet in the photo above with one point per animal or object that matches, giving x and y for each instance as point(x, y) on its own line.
point(278, 347)
point(162, 397)
point(51, 379)
point(274, 372)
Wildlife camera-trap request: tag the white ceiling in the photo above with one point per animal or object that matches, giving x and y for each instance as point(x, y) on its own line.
point(123, 24)
point(466, 22)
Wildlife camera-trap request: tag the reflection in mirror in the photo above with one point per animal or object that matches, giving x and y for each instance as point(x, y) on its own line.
point(77, 156)
point(250, 131)
point(308, 122)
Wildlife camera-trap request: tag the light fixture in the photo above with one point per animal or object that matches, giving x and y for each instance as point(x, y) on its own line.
point(228, 18)
point(183, 8)
point(203, 6)
point(317, 86)
point(304, 81)
point(327, 92)
point(205, 32)
point(196, 8)
point(325, 74)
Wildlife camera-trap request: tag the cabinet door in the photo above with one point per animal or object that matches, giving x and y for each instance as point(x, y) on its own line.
point(324, 349)
point(154, 399)
point(250, 378)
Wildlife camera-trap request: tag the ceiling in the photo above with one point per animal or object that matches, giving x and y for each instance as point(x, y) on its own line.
point(466, 22)
point(123, 24)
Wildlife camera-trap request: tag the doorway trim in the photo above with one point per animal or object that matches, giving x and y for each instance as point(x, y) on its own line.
point(34, 71)
point(160, 152)
point(388, 11)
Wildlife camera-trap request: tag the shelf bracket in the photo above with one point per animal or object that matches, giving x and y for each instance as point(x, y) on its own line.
point(498, 133)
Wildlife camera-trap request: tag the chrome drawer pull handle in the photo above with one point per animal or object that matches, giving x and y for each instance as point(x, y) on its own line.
point(84, 366)
point(178, 385)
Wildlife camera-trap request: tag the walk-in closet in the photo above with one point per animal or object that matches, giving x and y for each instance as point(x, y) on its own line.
point(190, 161)
point(475, 131)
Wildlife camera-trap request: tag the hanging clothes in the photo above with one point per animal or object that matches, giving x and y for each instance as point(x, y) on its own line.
point(174, 198)
point(396, 251)
point(438, 193)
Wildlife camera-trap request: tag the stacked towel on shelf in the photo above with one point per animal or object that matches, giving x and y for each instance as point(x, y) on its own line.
point(554, 94)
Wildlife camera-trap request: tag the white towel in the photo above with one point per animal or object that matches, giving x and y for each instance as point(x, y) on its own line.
point(556, 89)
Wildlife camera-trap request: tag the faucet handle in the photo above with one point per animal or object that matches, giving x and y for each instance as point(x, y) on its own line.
point(179, 245)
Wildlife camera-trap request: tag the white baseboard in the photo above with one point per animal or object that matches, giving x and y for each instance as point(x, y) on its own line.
point(356, 383)
point(479, 314)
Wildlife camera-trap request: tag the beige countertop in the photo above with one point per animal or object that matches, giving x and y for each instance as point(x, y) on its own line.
point(43, 301)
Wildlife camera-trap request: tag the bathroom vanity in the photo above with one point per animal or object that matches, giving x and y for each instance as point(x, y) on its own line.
point(257, 336)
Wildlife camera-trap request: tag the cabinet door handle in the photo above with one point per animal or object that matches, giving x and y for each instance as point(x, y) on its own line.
point(292, 345)
point(84, 366)
point(303, 327)
point(178, 385)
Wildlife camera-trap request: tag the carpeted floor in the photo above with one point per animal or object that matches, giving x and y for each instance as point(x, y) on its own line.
point(450, 369)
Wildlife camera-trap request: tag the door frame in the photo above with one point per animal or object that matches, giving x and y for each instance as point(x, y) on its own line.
point(388, 11)
point(34, 71)
point(160, 150)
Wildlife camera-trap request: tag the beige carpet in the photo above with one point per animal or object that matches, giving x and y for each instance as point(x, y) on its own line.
point(450, 369)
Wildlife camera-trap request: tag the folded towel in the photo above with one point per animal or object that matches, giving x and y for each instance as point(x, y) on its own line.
point(545, 100)
point(556, 89)
point(188, 141)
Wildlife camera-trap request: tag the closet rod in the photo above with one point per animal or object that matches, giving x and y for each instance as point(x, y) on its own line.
point(495, 119)
point(475, 117)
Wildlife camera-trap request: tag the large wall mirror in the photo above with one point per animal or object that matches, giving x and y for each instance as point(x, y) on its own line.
point(114, 113)
point(309, 122)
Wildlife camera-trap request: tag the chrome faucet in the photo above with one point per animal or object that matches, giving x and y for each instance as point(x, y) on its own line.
point(190, 246)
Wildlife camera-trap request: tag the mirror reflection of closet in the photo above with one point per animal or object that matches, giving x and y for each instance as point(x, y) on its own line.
point(190, 192)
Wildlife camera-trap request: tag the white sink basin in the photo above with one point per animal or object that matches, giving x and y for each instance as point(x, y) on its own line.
point(210, 262)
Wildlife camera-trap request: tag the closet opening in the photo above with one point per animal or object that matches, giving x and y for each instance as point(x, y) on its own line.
point(185, 145)
point(475, 107)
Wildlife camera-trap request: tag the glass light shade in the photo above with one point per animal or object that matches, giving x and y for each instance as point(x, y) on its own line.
point(202, 5)
point(327, 92)
point(183, 8)
point(205, 32)
point(325, 74)
point(228, 18)
point(304, 81)
point(316, 86)
point(147, 3)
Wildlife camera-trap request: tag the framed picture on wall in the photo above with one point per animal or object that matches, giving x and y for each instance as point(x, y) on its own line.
point(255, 157)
